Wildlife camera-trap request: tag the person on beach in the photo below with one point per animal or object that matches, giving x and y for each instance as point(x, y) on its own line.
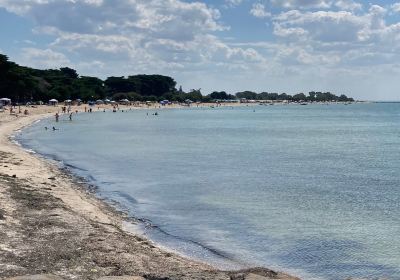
point(57, 117)
point(85, 109)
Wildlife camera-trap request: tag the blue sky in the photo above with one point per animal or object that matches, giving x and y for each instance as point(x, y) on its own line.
point(343, 46)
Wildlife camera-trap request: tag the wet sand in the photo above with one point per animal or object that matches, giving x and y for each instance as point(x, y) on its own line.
point(51, 223)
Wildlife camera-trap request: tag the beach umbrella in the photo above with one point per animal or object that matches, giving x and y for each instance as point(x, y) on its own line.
point(53, 101)
point(5, 101)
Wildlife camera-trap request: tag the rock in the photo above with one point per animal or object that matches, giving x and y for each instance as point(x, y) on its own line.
point(36, 277)
point(122, 278)
point(259, 273)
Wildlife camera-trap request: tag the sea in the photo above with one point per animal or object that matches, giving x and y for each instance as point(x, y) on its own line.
point(310, 190)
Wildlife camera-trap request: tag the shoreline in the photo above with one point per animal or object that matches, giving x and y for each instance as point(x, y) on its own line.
point(43, 210)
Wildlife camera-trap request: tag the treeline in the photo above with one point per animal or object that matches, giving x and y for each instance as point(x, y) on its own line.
point(23, 84)
point(311, 97)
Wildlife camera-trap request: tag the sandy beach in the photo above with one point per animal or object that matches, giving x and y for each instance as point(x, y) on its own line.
point(51, 223)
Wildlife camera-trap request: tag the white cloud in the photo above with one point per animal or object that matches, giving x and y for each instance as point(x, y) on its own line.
point(306, 39)
point(43, 59)
point(147, 33)
point(167, 17)
point(396, 7)
point(337, 39)
point(302, 4)
point(233, 3)
point(348, 5)
point(326, 26)
point(258, 10)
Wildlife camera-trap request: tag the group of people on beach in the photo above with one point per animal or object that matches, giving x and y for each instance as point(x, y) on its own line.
point(12, 111)
point(68, 110)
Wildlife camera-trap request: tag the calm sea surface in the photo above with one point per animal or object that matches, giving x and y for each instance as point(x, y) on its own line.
point(312, 190)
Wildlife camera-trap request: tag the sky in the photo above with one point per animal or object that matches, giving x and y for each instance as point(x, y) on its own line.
point(343, 46)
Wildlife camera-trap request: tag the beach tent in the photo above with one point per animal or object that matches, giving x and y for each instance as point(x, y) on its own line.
point(124, 101)
point(99, 101)
point(107, 101)
point(68, 102)
point(53, 102)
point(5, 101)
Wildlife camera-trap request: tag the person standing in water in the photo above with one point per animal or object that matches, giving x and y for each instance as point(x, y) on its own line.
point(70, 116)
point(57, 117)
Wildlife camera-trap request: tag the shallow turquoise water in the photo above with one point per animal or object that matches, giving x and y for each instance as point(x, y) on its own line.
point(313, 190)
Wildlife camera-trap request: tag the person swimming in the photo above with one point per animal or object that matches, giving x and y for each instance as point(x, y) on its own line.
point(54, 129)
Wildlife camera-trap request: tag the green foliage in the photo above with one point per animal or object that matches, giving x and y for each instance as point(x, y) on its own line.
point(23, 84)
point(221, 95)
point(312, 96)
point(247, 95)
point(144, 85)
point(132, 96)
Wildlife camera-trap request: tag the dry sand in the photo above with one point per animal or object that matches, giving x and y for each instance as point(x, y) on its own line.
point(50, 223)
